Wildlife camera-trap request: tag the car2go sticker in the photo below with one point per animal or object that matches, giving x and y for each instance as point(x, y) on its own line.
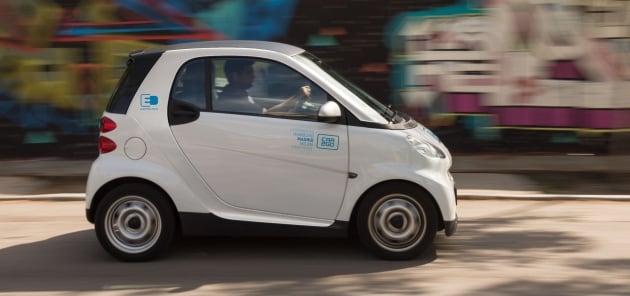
point(330, 142)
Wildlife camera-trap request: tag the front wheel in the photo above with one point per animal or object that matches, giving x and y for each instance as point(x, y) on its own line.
point(397, 222)
point(135, 222)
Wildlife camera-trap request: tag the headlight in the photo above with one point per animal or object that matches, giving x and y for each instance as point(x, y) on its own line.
point(430, 133)
point(425, 148)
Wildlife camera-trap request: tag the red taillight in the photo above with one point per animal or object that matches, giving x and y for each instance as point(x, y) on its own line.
point(107, 125)
point(105, 145)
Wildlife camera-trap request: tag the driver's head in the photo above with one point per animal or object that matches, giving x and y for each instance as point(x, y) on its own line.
point(239, 72)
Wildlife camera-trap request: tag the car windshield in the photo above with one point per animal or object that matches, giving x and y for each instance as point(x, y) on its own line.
point(385, 111)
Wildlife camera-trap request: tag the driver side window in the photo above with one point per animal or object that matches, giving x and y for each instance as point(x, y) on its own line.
point(263, 87)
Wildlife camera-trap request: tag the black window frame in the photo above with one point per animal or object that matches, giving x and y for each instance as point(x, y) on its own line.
point(138, 67)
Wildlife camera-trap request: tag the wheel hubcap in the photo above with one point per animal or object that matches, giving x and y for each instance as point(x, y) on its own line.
point(133, 224)
point(397, 222)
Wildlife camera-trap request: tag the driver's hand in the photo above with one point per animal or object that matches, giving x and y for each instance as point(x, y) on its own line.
point(306, 90)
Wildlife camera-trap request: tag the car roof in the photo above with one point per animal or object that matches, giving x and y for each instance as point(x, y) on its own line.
point(286, 49)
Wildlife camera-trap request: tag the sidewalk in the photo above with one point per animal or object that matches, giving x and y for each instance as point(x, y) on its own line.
point(503, 164)
point(477, 177)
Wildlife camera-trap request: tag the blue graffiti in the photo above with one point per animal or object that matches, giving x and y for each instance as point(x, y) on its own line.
point(37, 116)
point(268, 19)
point(234, 19)
point(242, 19)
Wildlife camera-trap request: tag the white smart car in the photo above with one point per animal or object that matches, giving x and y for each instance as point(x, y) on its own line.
point(262, 138)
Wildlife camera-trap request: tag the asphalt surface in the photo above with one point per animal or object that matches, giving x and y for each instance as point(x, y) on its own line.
point(501, 248)
point(530, 225)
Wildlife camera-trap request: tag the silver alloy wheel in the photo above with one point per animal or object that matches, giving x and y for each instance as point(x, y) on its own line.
point(397, 222)
point(133, 224)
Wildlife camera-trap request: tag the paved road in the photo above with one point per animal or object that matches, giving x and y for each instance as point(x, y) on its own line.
point(502, 248)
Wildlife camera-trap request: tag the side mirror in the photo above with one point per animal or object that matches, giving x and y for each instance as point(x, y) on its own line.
point(329, 112)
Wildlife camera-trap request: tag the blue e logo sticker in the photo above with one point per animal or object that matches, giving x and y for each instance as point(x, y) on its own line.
point(329, 142)
point(148, 102)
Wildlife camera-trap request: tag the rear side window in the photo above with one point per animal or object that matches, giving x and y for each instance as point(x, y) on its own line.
point(191, 84)
point(137, 69)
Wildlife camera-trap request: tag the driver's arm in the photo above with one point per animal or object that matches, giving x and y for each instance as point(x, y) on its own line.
point(291, 103)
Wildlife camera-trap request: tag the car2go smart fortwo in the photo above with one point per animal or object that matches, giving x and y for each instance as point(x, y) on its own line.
point(250, 137)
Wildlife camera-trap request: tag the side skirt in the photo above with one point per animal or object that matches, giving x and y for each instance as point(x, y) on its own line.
point(198, 224)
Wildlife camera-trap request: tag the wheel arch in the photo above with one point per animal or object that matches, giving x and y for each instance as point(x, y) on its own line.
point(109, 186)
point(394, 183)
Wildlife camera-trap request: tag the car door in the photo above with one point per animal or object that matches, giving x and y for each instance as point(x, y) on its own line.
point(257, 156)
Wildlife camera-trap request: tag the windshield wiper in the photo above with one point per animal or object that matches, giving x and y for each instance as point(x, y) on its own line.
point(393, 113)
point(394, 116)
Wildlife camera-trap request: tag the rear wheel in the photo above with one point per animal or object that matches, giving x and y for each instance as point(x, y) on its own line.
point(135, 222)
point(397, 222)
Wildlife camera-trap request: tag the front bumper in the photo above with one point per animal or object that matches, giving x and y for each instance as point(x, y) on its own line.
point(450, 227)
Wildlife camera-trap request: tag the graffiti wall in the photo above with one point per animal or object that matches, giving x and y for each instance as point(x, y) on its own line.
point(495, 67)
point(479, 70)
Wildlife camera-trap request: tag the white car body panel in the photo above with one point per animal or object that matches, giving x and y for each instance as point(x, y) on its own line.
point(268, 164)
point(383, 155)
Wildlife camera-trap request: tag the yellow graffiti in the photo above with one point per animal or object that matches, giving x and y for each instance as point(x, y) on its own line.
point(35, 72)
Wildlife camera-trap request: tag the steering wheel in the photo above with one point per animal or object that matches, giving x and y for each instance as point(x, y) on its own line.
point(303, 96)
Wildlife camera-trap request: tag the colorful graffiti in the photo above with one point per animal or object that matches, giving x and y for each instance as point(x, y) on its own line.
point(486, 66)
point(516, 64)
point(60, 60)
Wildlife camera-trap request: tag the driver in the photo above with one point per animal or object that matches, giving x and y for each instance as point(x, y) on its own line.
point(235, 98)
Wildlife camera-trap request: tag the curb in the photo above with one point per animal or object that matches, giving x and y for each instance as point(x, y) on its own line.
point(44, 197)
point(474, 194)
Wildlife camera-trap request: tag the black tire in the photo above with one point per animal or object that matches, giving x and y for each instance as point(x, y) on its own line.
point(149, 222)
point(397, 221)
